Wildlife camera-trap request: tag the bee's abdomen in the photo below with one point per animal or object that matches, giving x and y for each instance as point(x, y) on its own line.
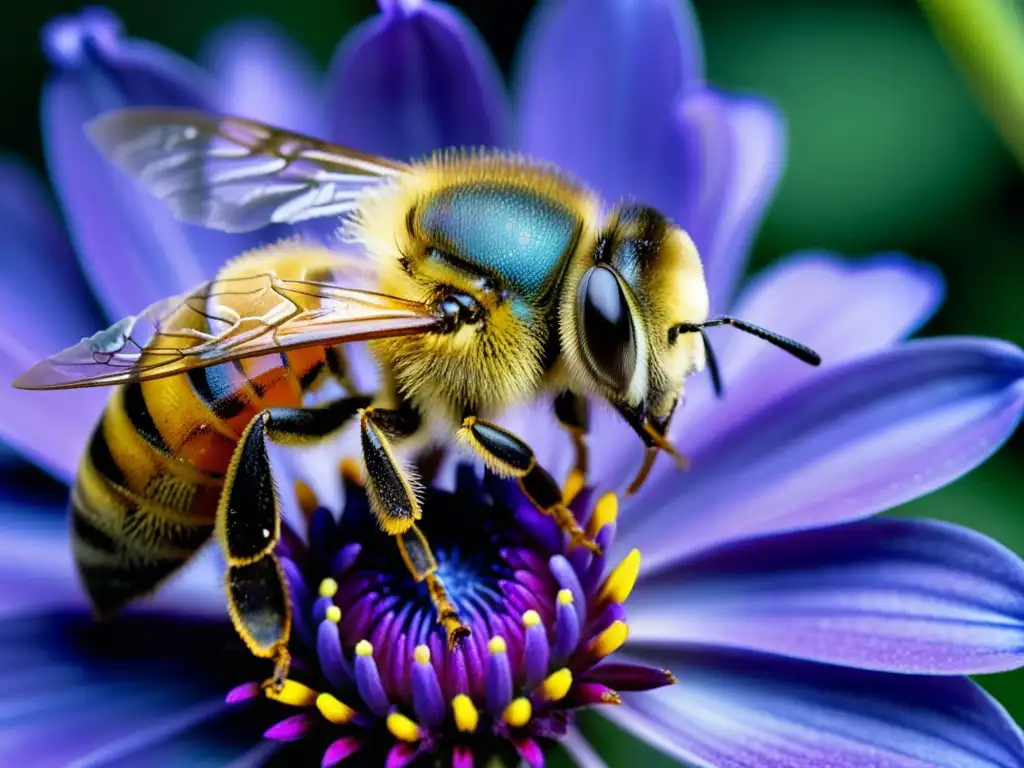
point(138, 511)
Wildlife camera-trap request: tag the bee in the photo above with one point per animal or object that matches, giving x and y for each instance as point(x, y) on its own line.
point(485, 280)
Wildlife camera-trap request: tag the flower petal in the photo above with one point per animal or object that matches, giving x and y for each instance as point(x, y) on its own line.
point(740, 710)
point(841, 309)
point(416, 78)
point(892, 595)
point(737, 150)
point(265, 75)
point(132, 250)
point(109, 691)
point(596, 82)
point(856, 440)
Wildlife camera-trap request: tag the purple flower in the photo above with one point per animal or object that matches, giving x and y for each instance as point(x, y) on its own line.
point(797, 630)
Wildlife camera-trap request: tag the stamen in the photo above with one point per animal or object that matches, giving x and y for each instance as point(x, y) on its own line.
point(293, 693)
point(566, 577)
point(335, 711)
point(610, 640)
point(427, 698)
point(567, 628)
point(328, 650)
point(606, 511)
point(499, 676)
point(557, 685)
point(306, 498)
point(328, 587)
point(536, 650)
point(333, 614)
point(620, 581)
point(518, 712)
point(595, 570)
point(573, 485)
point(404, 729)
point(466, 715)
point(368, 680)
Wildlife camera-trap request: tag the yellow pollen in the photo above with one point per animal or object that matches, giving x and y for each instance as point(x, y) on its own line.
point(531, 618)
point(610, 697)
point(333, 613)
point(518, 712)
point(328, 587)
point(363, 648)
point(672, 679)
point(573, 485)
point(565, 597)
point(421, 654)
point(307, 499)
point(620, 581)
point(609, 641)
point(497, 644)
point(351, 472)
point(404, 729)
point(466, 714)
point(293, 694)
point(337, 712)
point(605, 511)
point(557, 685)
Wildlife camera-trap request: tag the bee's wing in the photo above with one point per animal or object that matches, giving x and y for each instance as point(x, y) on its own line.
point(234, 174)
point(196, 330)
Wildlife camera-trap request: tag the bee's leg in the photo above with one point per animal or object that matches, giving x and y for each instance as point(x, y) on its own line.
point(573, 413)
point(392, 494)
point(248, 525)
point(507, 455)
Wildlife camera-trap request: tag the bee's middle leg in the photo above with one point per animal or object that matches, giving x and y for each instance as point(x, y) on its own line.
point(507, 455)
point(249, 525)
point(392, 493)
point(573, 413)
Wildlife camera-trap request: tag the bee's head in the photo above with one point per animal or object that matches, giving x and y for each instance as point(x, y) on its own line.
point(645, 278)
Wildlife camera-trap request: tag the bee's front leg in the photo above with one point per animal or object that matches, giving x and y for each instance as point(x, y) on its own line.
point(573, 413)
point(249, 525)
point(391, 490)
point(507, 455)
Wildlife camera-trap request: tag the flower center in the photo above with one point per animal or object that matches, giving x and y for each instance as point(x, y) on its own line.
point(542, 617)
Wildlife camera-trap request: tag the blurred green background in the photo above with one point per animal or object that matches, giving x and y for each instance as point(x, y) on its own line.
point(889, 150)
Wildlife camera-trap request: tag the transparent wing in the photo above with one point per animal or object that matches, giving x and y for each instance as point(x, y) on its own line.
point(223, 320)
point(234, 174)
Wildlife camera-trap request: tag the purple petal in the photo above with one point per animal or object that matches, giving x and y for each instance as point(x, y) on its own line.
point(841, 309)
point(856, 440)
point(265, 75)
point(737, 149)
point(132, 251)
point(416, 78)
point(735, 710)
point(892, 595)
point(596, 83)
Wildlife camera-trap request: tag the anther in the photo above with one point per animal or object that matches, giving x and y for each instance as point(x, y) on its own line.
point(293, 694)
point(466, 715)
point(573, 485)
point(328, 587)
point(620, 581)
point(404, 729)
point(605, 511)
point(557, 685)
point(306, 498)
point(497, 644)
point(334, 710)
point(518, 712)
point(610, 640)
point(333, 614)
point(351, 473)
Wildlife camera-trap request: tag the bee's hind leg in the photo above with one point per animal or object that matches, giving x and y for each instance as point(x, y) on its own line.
point(507, 455)
point(392, 493)
point(248, 526)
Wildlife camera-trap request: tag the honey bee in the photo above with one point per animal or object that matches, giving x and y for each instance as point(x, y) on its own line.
point(486, 280)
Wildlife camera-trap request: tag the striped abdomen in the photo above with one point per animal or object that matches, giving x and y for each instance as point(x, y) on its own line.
point(146, 494)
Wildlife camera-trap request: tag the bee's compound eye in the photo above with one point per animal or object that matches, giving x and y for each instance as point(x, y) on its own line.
point(605, 328)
